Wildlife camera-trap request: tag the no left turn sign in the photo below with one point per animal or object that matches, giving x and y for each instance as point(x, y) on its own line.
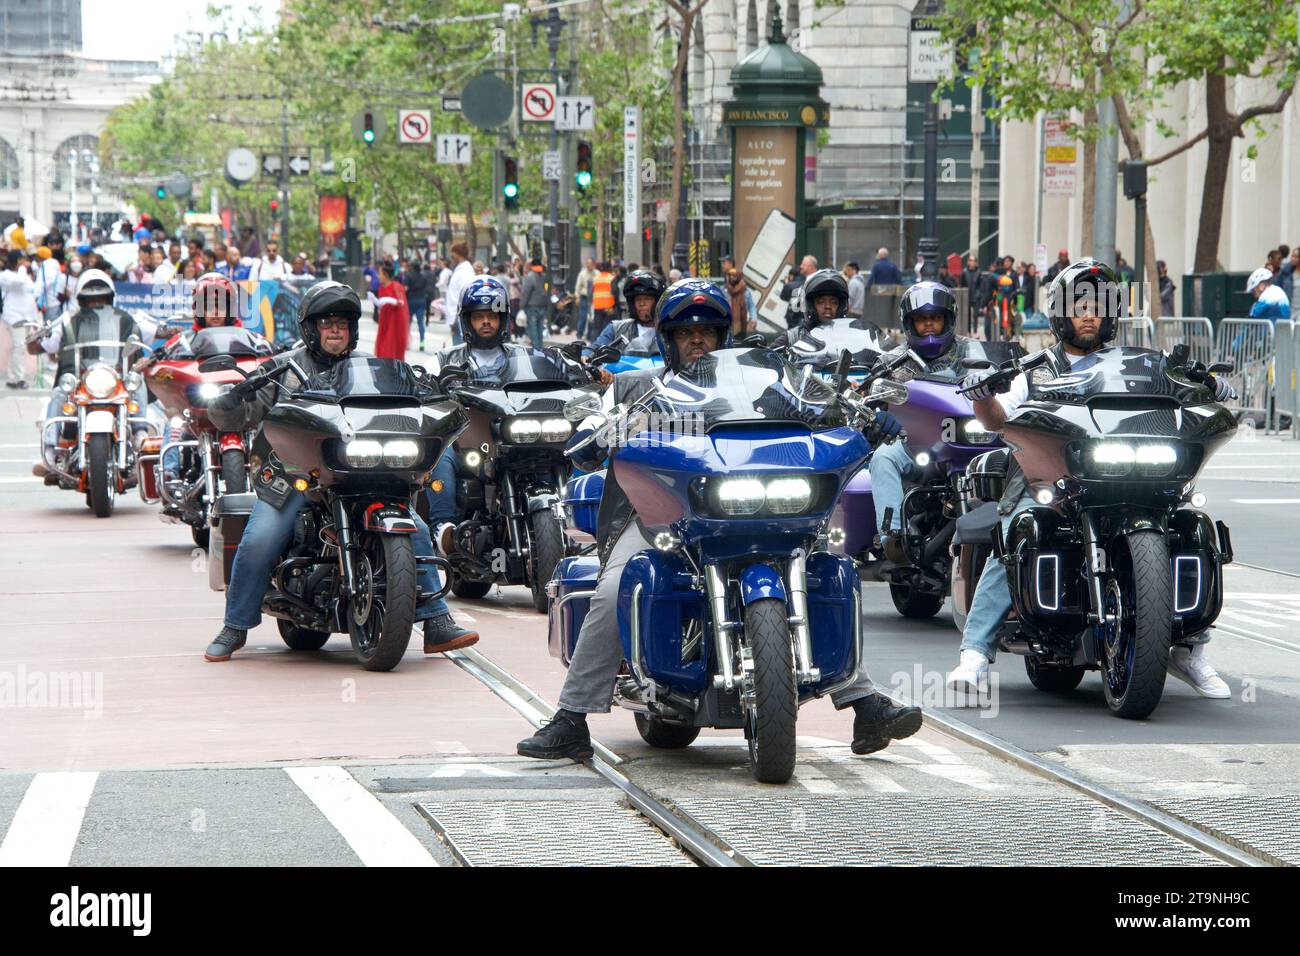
point(414, 126)
point(538, 102)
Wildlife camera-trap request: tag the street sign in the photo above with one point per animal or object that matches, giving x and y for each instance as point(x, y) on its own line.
point(1040, 257)
point(929, 59)
point(631, 176)
point(414, 126)
point(454, 148)
point(451, 104)
point(372, 223)
point(526, 218)
point(299, 165)
point(270, 164)
point(537, 102)
point(487, 101)
point(575, 112)
point(1060, 154)
point(552, 165)
point(241, 165)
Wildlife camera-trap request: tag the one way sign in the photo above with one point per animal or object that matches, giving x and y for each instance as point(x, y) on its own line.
point(575, 112)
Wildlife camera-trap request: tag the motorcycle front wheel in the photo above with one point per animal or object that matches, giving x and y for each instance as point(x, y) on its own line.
point(548, 548)
point(771, 699)
point(1135, 648)
point(101, 483)
point(382, 611)
point(301, 638)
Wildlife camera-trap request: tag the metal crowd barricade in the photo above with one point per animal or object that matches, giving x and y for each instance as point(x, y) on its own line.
point(1196, 333)
point(1248, 345)
point(1286, 384)
point(1139, 332)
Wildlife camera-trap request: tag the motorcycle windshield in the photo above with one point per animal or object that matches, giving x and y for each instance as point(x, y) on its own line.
point(99, 340)
point(821, 347)
point(517, 368)
point(223, 340)
point(1123, 371)
point(367, 378)
point(736, 386)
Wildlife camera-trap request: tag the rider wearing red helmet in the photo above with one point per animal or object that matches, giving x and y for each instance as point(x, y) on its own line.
point(215, 302)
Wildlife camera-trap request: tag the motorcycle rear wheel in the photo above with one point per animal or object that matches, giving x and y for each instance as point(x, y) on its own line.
point(548, 548)
point(1135, 658)
point(381, 636)
point(913, 603)
point(469, 589)
point(663, 735)
point(301, 638)
point(201, 535)
point(770, 716)
point(101, 483)
point(1052, 679)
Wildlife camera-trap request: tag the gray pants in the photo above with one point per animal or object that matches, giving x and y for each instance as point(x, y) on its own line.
point(589, 686)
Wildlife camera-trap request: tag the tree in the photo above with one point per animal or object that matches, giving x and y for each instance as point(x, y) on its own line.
point(686, 14)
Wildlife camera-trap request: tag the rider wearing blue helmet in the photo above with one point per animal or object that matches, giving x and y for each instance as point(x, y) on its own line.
point(694, 320)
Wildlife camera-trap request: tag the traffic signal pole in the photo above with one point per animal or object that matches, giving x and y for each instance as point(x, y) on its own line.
point(554, 26)
point(284, 177)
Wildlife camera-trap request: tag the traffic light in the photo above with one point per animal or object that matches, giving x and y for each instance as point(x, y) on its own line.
point(582, 170)
point(160, 191)
point(510, 181)
point(645, 233)
point(275, 205)
point(368, 127)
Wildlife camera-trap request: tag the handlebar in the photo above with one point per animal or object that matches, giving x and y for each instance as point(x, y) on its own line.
point(1006, 373)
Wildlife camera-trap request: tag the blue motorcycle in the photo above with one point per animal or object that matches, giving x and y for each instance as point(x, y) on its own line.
point(739, 613)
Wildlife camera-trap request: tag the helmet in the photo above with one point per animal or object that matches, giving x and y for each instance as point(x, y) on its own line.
point(1073, 281)
point(928, 298)
point(824, 282)
point(641, 283)
point(214, 294)
point(95, 282)
point(322, 299)
point(484, 294)
point(690, 302)
point(1256, 277)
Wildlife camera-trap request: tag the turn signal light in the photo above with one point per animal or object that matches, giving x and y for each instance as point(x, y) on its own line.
point(68, 408)
point(301, 484)
point(436, 486)
point(132, 407)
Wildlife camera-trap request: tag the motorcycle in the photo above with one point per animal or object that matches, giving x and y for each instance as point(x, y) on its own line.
point(207, 461)
point(358, 441)
point(1116, 562)
point(511, 471)
point(738, 613)
point(821, 348)
point(91, 447)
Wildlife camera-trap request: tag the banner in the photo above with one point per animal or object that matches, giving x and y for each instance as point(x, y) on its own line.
point(333, 220)
point(269, 307)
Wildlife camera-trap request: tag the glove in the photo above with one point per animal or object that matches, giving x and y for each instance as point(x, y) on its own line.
point(245, 389)
point(979, 391)
point(1223, 392)
point(884, 428)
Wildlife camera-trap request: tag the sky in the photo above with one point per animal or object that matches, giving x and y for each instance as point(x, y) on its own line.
point(118, 30)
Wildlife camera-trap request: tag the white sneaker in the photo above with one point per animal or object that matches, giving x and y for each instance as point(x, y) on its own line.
point(1191, 667)
point(971, 674)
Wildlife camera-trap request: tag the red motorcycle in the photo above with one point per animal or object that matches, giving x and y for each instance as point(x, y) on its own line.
point(194, 463)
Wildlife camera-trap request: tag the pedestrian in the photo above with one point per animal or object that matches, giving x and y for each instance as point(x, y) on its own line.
point(479, 268)
point(537, 298)
point(883, 271)
point(1289, 269)
point(738, 293)
point(857, 290)
point(946, 277)
point(51, 284)
point(18, 294)
point(16, 234)
point(462, 274)
point(394, 315)
point(417, 295)
point(1273, 262)
point(1062, 262)
point(792, 291)
point(1166, 288)
point(248, 241)
point(195, 248)
point(142, 271)
point(1270, 302)
point(969, 280)
point(1123, 270)
point(272, 265)
point(234, 268)
point(582, 289)
point(603, 301)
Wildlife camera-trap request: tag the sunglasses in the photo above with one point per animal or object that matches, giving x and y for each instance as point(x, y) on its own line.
point(332, 322)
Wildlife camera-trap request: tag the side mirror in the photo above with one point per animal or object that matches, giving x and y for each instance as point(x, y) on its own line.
point(755, 341)
point(605, 354)
point(218, 363)
point(976, 365)
point(891, 393)
point(453, 373)
point(1222, 368)
point(573, 350)
point(582, 407)
point(842, 370)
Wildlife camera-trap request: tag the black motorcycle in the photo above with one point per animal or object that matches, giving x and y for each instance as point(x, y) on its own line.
point(1115, 562)
point(358, 441)
point(511, 470)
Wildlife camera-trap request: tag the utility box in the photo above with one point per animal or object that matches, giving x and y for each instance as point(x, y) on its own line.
point(1216, 295)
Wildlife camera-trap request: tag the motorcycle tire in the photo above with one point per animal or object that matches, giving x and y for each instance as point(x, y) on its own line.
point(101, 483)
point(548, 548)
point(301, 638)
point(380, 640)
point(771, 719)
point(1141, 565)
point(913, 603)
point(201, 535)
point(234, 476)
point(469, 589)
point(663, 735)
point(1052, 680)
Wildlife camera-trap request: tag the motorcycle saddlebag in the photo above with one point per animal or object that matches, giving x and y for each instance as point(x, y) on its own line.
point(575, 575)
point(147, 463)
point(230, 517)
point(582, 501)
point(1195, 559)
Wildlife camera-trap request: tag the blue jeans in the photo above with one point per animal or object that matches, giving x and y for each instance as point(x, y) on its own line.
point(442, 504)
point(888, 466)
point(584, 313)
point(536, 324)
point(267, 536)
point(992, 601)
point(418, 308)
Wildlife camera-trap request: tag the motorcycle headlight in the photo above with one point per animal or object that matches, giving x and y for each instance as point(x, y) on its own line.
point(740, 496)
point(208, 391)
point(973, 433)
point(68, 382)
point(363, 453)
point(1112, 459)
point(556, 429)
point(524, 430)
point(133, 381)
point(788, 496)
point(473, 459)
point(401, 453)
point(100, 381)
point(1156, 461)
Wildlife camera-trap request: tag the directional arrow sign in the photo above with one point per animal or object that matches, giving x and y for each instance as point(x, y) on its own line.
point(575, 112)
point(270, 164)
point(454, 148)
point(300, 165)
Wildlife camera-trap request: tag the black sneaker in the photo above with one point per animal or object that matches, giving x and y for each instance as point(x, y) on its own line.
point(226, 643)
point(878, 720)
point(564, 735)
point(444, 634)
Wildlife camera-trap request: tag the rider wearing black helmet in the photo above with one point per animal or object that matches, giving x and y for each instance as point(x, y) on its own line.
point(641, 290)
point(825, 299)
point(328, 319)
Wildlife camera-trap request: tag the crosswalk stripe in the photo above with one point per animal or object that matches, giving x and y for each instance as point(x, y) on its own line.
point(374, 834)
point(44, 829)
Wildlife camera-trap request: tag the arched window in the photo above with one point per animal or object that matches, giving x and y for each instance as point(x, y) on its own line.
point(8, 166)
point(751, 27)
point(87, 148)
point(791, 18)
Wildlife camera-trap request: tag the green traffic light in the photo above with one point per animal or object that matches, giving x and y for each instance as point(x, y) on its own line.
point(511, 190)
point(160, 192)
point(583, 178)
point(368, 136)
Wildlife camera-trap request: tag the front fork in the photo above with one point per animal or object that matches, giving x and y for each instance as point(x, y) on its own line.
point(1097, 570)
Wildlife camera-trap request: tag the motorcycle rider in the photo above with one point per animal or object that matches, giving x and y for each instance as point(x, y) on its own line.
point(826, 298)
point(694, 320)
point(1084, 304)
point(96, 320)
point(641, 290)
point(328, 317)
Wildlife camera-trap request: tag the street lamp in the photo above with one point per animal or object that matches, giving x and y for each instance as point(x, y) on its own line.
point(92, 164)
point(72, 194)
